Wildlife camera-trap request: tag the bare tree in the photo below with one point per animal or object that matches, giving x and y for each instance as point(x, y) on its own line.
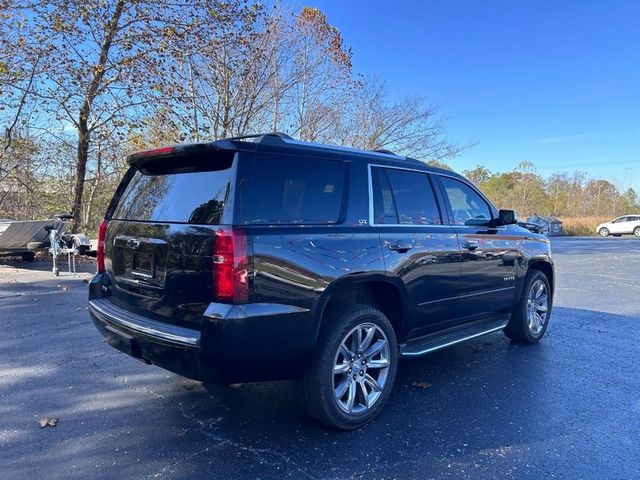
point(409, 126)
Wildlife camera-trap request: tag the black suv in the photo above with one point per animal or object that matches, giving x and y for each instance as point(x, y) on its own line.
point(263, 258)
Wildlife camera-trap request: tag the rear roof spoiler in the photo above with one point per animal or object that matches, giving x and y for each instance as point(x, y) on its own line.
point(182, 151)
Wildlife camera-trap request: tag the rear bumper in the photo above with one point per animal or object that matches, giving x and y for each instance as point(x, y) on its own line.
point(143, 327)
point(174, 348)
point(236, 343)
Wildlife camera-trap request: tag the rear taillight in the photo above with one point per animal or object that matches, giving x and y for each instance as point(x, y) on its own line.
point(230, 266)
point(102, 233)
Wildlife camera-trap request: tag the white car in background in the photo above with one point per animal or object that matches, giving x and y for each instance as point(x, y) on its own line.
point(627, 224)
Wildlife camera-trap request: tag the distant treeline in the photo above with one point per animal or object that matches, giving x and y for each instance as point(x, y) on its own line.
point(562, 194)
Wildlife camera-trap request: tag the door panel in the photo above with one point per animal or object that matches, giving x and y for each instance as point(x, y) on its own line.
point(489, 266)
point(489, 255)
point(430, 271)
point(618, 225)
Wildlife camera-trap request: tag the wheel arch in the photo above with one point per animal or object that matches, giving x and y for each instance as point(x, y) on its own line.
point(546, 268)
point(377, 290)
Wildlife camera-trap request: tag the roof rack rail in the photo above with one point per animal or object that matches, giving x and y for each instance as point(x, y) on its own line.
point(384, 150)
point(259, 137)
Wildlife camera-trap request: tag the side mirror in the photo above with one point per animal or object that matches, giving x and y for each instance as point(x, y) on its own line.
point(507, 217)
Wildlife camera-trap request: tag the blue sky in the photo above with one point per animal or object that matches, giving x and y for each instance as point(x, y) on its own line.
point(556, 83)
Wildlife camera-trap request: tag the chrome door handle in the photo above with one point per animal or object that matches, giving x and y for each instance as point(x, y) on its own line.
point(470, 244)
point(400, 247)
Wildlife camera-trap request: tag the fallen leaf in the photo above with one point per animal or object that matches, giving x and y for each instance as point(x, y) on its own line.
point(48, 422)
point(421, 384)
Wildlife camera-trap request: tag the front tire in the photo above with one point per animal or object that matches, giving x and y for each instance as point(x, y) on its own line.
point(604, 232)
point(530, 318)
point(354, 368)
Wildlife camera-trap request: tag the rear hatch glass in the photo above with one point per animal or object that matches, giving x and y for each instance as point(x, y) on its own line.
point(192, 197)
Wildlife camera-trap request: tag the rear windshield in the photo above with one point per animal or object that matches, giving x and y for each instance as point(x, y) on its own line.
point(291, 190)
point(186, 197)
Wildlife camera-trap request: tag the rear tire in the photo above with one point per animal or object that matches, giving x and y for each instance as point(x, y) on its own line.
point(352, 374)
point(636, 232)
point(604, 232)
point(530, 317)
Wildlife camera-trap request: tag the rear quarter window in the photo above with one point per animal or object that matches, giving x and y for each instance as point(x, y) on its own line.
point(291, 190)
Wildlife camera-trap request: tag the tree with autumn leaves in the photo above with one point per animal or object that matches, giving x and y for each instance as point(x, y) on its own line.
point(83, 83)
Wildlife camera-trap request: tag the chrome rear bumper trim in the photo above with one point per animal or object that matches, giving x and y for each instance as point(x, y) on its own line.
point(133, 323)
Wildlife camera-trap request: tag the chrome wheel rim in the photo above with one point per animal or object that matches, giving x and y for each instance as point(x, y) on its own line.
point(361, 368)
point(537, 307)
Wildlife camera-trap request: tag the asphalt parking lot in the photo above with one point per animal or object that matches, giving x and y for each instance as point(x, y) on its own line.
point(568, 407)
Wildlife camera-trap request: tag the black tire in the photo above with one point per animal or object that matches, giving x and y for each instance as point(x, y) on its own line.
point(636, 232)
point(28, 256)
point(317, 388)
point(519, 329)
point(604, 232)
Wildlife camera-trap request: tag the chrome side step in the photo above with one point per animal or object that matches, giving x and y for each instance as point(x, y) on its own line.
point(431, 343)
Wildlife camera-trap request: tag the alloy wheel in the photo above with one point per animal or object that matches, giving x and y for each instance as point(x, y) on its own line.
point(361, 368)
point(537, 307)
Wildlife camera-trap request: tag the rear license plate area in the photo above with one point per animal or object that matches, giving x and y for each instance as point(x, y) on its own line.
point(143, 265)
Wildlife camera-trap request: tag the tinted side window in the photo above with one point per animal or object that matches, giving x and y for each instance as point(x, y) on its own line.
point(404, 197)
point(467, 206)
point(384, 206)
point(292, 190)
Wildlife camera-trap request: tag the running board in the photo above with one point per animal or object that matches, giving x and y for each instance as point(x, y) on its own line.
point(431, 343)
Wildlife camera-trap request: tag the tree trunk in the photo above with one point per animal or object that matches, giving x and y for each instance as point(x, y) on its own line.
point(83, 118)
point(94, 189)
point(81, 170)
